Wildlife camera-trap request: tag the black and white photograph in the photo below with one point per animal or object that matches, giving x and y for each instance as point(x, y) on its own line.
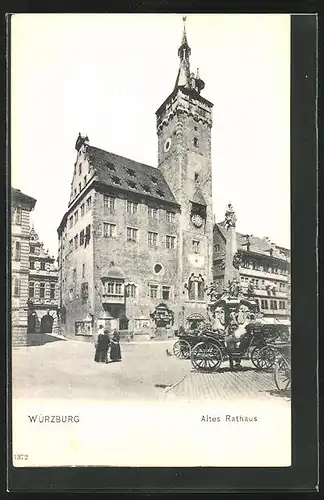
point(150, 234)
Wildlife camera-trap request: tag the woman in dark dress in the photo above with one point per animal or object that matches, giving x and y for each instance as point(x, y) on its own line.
point(115, 352)
point(98, 345)
point(102, 346)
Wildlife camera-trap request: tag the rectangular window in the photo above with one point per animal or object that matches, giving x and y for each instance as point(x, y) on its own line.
point(201, 290)
point(109, 230)
point(170, 241)
point(88, 204)
point(195, 246)
point(32, 264)
point(17, 250)
point(70, 221)
point(118, 289)
point(85, 179)
point(16, 287)
point(82, 210)
point(152, 212)
point(88, 234)
point(264, 304)
point(52, 291)
point(82, 237)
point(31, 289)
point(32, 249)
point(216, 248)
point(153, 291)
point(192, 290)
point(110, 202)
point(42, 290)
point(80, 187)
point(170, 216)
point(110, 287)
point(273, 304)
point(195, 142)
point(76, 217)
point(131, 290)
point(84, 291)
point(131, 234)
point(83, 270)
point(131, 207)
point(18, 216)
point(282, 304)
point(42, 266)
point(166, 292)
point(76, 237)
point(152, 239)
point(80, 168)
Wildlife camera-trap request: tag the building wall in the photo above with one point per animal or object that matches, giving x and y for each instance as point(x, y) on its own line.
point(136, 259)
point(20, 272)
point(42, 305)
point(263, 272)
point(70, 263)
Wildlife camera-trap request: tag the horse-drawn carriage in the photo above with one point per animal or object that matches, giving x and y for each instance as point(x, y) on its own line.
point(236, 334)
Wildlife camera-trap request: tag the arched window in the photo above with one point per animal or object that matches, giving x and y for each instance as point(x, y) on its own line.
point(196, 287)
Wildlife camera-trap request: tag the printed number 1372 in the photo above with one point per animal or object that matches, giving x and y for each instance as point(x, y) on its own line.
point(20, 456)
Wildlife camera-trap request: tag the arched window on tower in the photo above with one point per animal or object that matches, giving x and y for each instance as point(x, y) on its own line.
point(196, 287)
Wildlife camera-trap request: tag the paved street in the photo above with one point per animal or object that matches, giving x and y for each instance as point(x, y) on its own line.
point(65, 369)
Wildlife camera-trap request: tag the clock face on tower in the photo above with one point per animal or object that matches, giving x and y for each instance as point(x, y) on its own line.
point(167, 145)
point(197, 220)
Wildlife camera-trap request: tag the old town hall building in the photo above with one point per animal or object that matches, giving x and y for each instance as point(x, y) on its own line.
point(135, 244)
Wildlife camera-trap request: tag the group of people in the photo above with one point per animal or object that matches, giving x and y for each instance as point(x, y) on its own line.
point(107, 347)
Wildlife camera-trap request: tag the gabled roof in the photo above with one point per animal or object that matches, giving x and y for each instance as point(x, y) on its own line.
point(129, 175)
point(19, 198)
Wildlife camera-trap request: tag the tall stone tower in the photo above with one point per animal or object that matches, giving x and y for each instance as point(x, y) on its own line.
point(184, 124)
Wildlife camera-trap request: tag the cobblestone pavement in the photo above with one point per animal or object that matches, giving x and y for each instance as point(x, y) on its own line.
point(226, 385)
point(66, 369)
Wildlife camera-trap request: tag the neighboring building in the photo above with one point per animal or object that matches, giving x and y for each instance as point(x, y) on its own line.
point(21, 206)
point(43, 288)
point(260, 263)
point(135, 245)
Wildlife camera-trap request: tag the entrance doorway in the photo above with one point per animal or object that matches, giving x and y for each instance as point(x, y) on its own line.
point(33, 323)
point(46, 325)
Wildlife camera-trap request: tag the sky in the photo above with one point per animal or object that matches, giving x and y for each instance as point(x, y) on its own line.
point(105, 75)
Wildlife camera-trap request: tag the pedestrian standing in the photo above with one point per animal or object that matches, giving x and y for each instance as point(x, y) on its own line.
point(99, 346)
point(105, 346)
point(115, 352)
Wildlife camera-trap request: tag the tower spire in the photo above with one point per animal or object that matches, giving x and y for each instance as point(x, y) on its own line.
point(184, 51)
point(185, 78)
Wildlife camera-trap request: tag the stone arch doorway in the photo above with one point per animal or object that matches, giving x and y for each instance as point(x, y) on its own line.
point(46, 325)
point(194, 321)
point(123, 323)
point(33, 323)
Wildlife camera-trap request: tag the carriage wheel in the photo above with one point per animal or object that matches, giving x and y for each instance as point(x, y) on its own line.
point(182, 349)
point(282, 375)
point(206, 356)
point(263, 358)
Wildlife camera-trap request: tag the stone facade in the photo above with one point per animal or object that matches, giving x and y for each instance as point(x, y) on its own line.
point(260, 265)
point(135, 245)
point(43, 289)
point(21, 206)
